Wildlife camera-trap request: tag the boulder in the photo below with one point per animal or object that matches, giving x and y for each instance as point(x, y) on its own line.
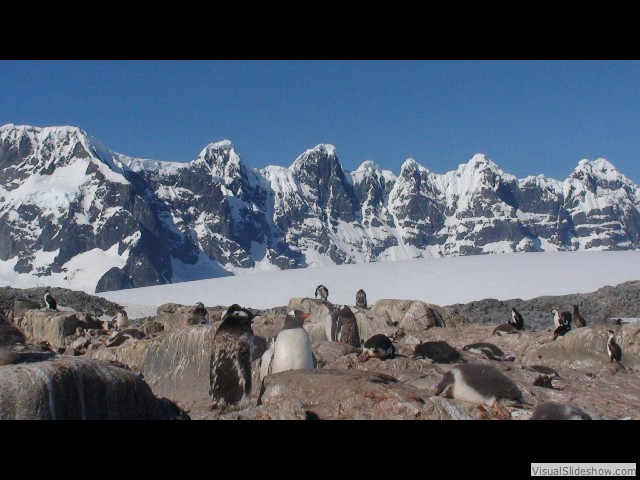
point(349, 394)
point(21, 305)
point(327, 352)
point(588, 346)
point(49, 326)
point(178, 366)
point(413, 315)
point(173, 315)
point(319, 317)
point(74, 388)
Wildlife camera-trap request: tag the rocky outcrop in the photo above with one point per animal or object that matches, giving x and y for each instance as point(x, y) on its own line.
point(596, 307)
point(173, 315)
point(588, 346)
point(350, 395)
point(52, 327)
point(413, 315)
point(75, 388)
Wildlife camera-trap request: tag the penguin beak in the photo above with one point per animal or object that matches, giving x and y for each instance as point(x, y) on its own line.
point(304, 316)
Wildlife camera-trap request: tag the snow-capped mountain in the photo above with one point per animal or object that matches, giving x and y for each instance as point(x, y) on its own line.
point(73, 213)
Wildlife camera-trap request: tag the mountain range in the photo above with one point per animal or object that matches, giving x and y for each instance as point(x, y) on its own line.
point(73, 213)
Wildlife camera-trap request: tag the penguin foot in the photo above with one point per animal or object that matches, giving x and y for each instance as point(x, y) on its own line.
point(501, 412)
point(482, 413)
point(363, 357)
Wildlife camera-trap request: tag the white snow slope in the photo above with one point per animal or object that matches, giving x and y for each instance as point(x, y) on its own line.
point(443, 281)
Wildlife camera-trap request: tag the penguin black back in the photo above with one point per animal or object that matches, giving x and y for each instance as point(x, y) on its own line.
point(516, 319)
point(49, 301)
point(577, 318)
point(230, 371)
point(322, 292)
point(295, 319)
point(347, 328)
point(361, 299)
point(439, 352)
point(557, 411)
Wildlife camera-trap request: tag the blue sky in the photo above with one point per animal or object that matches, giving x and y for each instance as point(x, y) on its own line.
point(530, 117)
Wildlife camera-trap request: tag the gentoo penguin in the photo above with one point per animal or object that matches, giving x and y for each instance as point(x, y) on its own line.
point(613, 349)
point(322, 292)
point(504, 329)
point(577, 318)
point(488, 350)
point(556, 411)
point(378, 346)
point(516, 319)
point(439, 352)
point(361, 299)
point(230, 372)
point(344, 327)
point(200, 313)
point(481, 385)
point(124, 335)
point(49, 301)
point(292, 349)
point(122, 320)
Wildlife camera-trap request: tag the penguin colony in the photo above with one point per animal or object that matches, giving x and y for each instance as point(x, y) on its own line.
point(480, 384)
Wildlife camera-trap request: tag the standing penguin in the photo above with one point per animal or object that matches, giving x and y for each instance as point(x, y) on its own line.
point(122, 320)
point(292, 349)
point(344, 327)
point(613, 349)
point(322, 292)
point(577, 318)
point(516, 319)
point(50, 302)
point(230, 372)
point(361, 299)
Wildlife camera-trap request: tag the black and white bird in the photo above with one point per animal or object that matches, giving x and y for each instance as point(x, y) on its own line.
point(439, 352)
point(488, 350)
point(344, 326)
point(322, 292)
point(230, 367)
point(505, 329)
point(561, 323)
point(557, 411)
point(122, 320)
point(577, 318)
point(482, 385)
point(361, 299)
point(516, 319)
point(124, 335)
point(379, 346)
point(200, 315)
point(613, 349)
point(50, 302)
point(292, 349)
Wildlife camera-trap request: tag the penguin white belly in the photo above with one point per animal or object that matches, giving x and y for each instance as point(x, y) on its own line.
point(462, 391)
point(265, 363)
point(556, 321)
point(292, 350)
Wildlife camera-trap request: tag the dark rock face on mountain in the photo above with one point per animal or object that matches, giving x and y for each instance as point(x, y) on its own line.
point(73, 213)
